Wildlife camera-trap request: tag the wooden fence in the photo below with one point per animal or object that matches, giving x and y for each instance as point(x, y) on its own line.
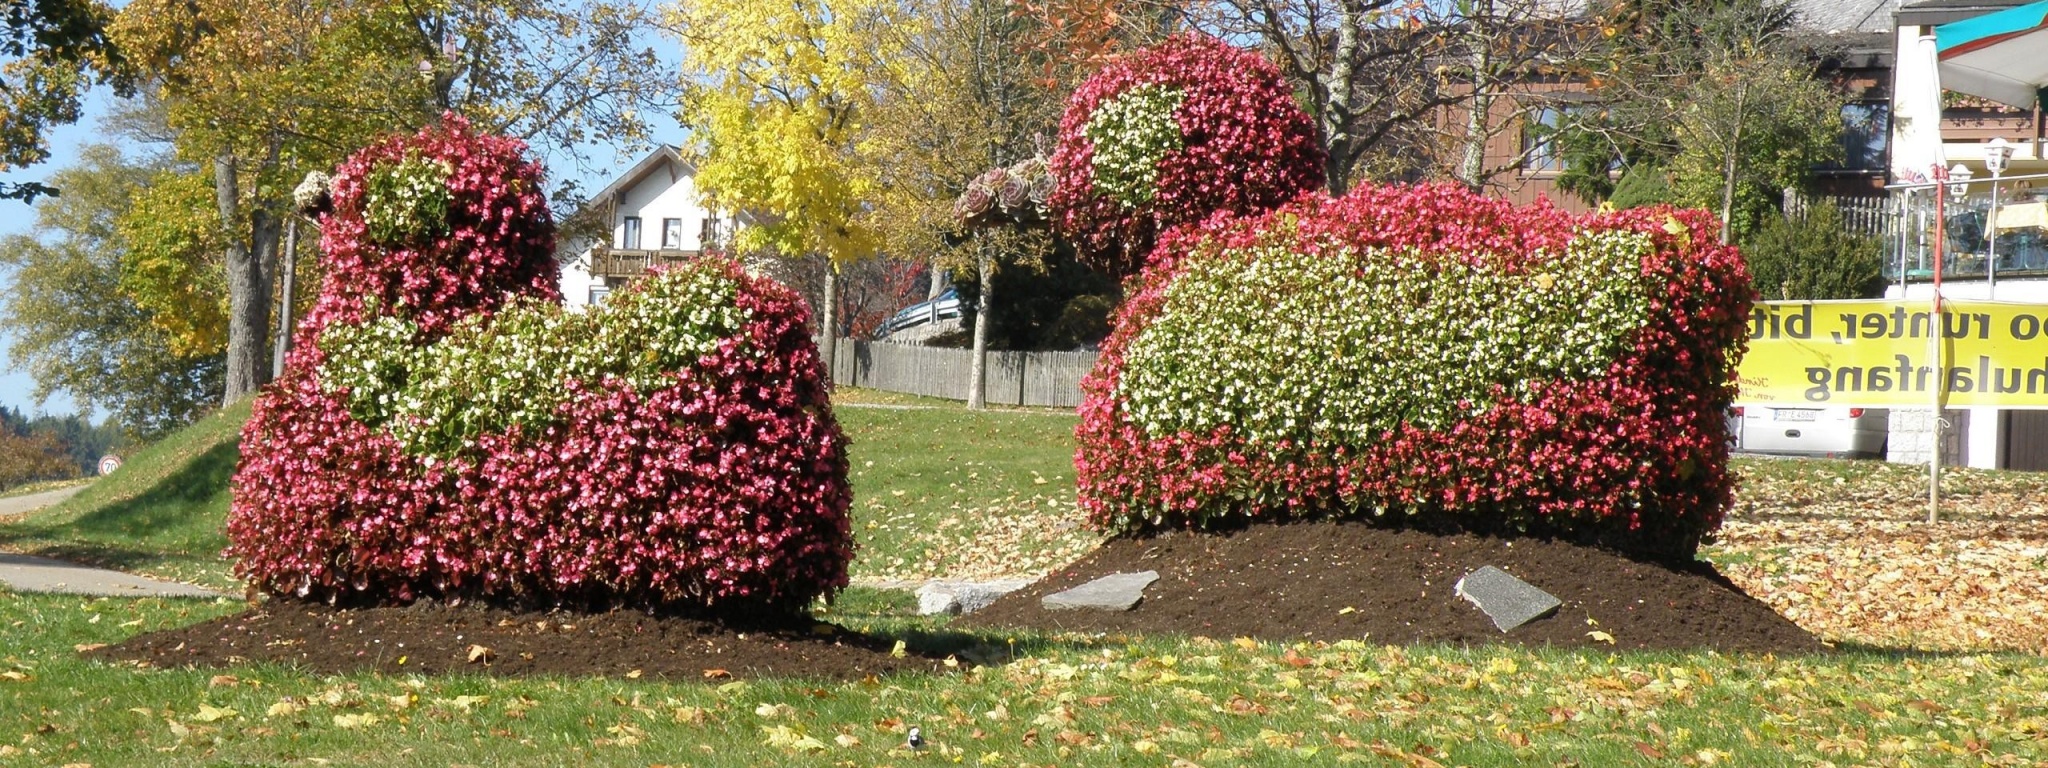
point(1867, 216)
point(1014, 378)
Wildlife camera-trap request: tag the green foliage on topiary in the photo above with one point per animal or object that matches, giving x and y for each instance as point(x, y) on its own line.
point(407, 201)
point(1132, 132)
point(495, 371)
point(1341, 348)
point(1813, 258)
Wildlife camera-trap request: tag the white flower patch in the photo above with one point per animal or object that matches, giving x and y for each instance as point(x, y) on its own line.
point(488, 374)
point(1131, 133)
point(407, 201)
point(1340, 348)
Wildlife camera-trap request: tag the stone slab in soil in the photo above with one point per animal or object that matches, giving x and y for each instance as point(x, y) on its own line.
point(958, 597)
point(1294, 581)
point(1115, 592)
point(1509, 601)
point(434, 638)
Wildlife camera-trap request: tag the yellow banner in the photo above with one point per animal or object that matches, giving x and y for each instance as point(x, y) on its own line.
point(1878, 354)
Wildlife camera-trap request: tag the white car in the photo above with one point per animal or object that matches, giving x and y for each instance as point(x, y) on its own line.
point(1835, 432)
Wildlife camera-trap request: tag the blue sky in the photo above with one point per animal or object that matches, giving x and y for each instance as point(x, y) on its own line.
point(17, 388)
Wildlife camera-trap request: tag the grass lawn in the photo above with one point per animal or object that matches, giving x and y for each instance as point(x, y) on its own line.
point(1063, 701)
point(1934, 670)
point(160, 514)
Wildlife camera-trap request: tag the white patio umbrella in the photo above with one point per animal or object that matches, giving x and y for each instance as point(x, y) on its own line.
point(1997, 55)
point(1916, 114)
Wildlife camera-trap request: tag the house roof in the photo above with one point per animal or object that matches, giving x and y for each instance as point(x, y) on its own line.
point(592, 219)
point(657, 158)
point(1845, 16)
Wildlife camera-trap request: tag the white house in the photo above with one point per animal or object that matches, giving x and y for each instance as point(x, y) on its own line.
point(651, 215)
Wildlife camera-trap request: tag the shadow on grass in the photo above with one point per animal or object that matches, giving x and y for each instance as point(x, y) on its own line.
point(173, 520)
point(175, 501)
point(1895, 653)
point(891, 615)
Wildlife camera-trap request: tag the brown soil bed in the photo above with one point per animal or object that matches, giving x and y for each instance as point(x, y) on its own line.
point(1331, 581)
point(430, 638)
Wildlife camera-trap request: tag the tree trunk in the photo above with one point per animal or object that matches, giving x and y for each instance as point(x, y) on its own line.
point(977, 368)
point(1728, 166)
point(250, 264)
point(829, 322)
point(1472, 167)
point(289, 263)
point(1337, 116)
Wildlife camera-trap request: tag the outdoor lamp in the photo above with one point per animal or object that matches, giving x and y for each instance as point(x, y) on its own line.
point(1996, 152)
point(1959, 180)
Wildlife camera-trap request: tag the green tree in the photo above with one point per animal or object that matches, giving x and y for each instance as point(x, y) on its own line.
point(1642, 184)
point(778, 98)
point(172, 268)
point(1056, 303)
point(1653, 58)
point(75, 331)
point(1813, 257)
point(50, 50)
point(1754, 123)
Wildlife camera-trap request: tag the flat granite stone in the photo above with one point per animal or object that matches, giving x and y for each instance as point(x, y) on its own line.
point(1509, 601)
point(1115, 592)
point(960, 597)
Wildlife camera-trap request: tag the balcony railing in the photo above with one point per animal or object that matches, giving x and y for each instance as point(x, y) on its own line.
point(1970, 253)
point(633, 262)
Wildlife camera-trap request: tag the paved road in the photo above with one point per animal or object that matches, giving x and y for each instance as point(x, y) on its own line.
point(16, 505)
point(26, 573)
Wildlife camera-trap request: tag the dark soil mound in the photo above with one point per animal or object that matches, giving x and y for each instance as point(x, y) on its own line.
point(430, 638)
point(1296, 581)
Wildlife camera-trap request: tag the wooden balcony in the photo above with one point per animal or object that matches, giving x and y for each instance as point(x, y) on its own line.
point(627, 262)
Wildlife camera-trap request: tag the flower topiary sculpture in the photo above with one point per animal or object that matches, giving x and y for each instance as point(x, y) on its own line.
point(1168, 136)
point(447, 431)
point(1421, 354)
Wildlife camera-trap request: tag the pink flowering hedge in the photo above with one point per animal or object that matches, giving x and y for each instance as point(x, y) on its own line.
point(684, 457)
point(1427, 355)
point(1169, 136)
point(497, 242)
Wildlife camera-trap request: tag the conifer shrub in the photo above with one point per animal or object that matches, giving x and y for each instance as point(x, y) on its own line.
point(1169, 136)
point(1427, 356)
point(445, 430)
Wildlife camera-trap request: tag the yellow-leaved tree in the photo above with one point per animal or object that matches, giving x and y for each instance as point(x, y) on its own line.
point(979, 85)
point(778, 96)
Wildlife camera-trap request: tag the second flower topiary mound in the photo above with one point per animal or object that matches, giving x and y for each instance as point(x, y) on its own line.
point(1168, 136)
point(1424, 354)
point(446, 430)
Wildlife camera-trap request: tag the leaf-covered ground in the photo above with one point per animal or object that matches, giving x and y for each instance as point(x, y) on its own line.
point(1845, 550)
point(1036, 700)
point(940, 492)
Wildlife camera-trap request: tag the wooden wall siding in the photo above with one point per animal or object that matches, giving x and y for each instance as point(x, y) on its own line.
point(1014, 378)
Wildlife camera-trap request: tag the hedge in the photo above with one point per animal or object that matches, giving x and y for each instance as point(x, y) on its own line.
point(446, 430)
point(1426, 355)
